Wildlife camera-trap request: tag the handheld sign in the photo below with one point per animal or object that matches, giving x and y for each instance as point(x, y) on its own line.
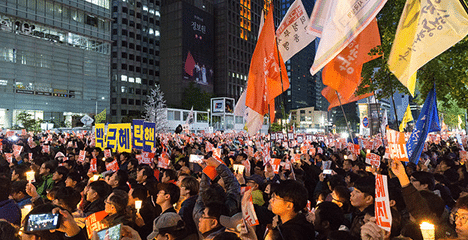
point(383, 215)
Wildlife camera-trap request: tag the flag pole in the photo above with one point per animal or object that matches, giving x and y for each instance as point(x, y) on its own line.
point(344, 114)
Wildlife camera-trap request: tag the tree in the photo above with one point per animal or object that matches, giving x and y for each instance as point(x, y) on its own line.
point(450, 112)
point(194, 96)
point(447, 71)
point(28, 122)
point(155, 109)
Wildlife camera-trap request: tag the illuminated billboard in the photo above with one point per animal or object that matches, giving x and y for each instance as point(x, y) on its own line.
point(198, 45)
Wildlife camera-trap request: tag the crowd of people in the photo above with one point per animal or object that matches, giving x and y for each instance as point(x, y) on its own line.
point(297, 200)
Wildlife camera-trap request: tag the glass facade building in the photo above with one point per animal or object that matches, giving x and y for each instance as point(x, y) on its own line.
point(135, 56)
point(54, 58)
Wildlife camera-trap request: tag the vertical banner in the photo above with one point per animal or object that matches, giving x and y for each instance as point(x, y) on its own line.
point(124, 142)
point(149, 139)
point(99, 135)
point(383, 215)
point(138, 139)
point(111, 136)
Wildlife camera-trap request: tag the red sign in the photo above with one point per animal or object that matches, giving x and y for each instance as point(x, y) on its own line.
point(9, 157)
point(275, 164)
point(93, 222)
point(107, 153)
point(82, 156)
point(17, 149)
point(46, 148)
point(93, 165)
point(163, 161)
point(373, 160)
point(397, 145)
point(383, 215)
point(114, 166)
point(146, 158)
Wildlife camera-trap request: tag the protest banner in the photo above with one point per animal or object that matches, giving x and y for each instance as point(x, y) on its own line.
point(397, 145)
point(373, 160)
point(383, 214)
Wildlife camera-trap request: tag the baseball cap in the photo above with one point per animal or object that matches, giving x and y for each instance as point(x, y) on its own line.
point(166, 222)
point(256, 178)
point(232, 223)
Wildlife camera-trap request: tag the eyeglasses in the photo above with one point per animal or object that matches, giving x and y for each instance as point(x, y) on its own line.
point(463, 218)
point(276, 198)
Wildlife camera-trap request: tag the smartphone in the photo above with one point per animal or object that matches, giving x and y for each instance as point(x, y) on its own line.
point(43, 221)
point(327, 171)
point(112, 233)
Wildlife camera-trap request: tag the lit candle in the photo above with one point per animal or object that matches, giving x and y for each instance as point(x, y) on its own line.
point(427, 231)
point(345, 157)
point(25, 210)
point(30, 176)
point(95, 178)
point(138, 205)
point(368, 151)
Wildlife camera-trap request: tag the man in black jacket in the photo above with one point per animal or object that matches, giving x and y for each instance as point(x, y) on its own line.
point(288, 199)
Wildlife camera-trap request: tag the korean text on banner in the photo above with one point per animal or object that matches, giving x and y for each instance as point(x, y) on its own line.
point(292, 32)
point(138, 139)
point(93, 222)
point(248, 210)
point(373, 160)
point(426, 29)
point(111, 136)
point(124, 137)
point(93, 165)
point(146, 158)
point(112, 166)
point(383, 214)
point(397, 145)
point(100, 136)
point(149, 136)
point(342, 21)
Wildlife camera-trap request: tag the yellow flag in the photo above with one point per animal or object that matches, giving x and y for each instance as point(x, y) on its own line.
point(408, 117)
point(426, 29)
point(101, 116)
point(459, 122)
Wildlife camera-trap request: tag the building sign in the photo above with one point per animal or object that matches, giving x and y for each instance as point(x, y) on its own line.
point(198, 42)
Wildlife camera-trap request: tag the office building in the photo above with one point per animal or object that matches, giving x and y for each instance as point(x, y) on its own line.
point(305, 89)
point(135, 56)
point(54, 58)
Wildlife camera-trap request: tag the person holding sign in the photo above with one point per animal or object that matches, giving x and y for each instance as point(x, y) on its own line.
point(288, 199)
point(226, 192)
point(422, 205)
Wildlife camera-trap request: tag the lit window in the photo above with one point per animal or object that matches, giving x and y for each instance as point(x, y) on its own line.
point(3, 82)
point(123, 78)
point(156, 33)
point(151, 31)
point(138, 80)
point(131, 79)
point(123, 89)
point(145, 8)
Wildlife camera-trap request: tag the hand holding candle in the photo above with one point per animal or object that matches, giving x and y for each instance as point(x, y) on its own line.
point(427, 230)
point(30, 176)
point(138, 205)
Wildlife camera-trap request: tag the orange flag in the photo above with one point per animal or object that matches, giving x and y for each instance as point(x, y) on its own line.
point(343, 73)
point(265, 79)
point(331, 96)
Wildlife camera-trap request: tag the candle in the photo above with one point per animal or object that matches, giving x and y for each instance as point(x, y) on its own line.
point(95, 178)
point(30, 176)
point(368, 151)
point(427, 230)
point(345, 157)
point(25, 210)
point(138, 205)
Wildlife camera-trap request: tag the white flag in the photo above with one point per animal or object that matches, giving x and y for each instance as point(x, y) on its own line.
point(344, 21)
point(292, 33)
point(253, 120)
point(190, 118)
point(384, 123)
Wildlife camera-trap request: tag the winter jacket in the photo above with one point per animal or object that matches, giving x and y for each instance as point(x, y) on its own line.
point(297, 228)
point(233, 196)
point(47, 184)
point(10, 211)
